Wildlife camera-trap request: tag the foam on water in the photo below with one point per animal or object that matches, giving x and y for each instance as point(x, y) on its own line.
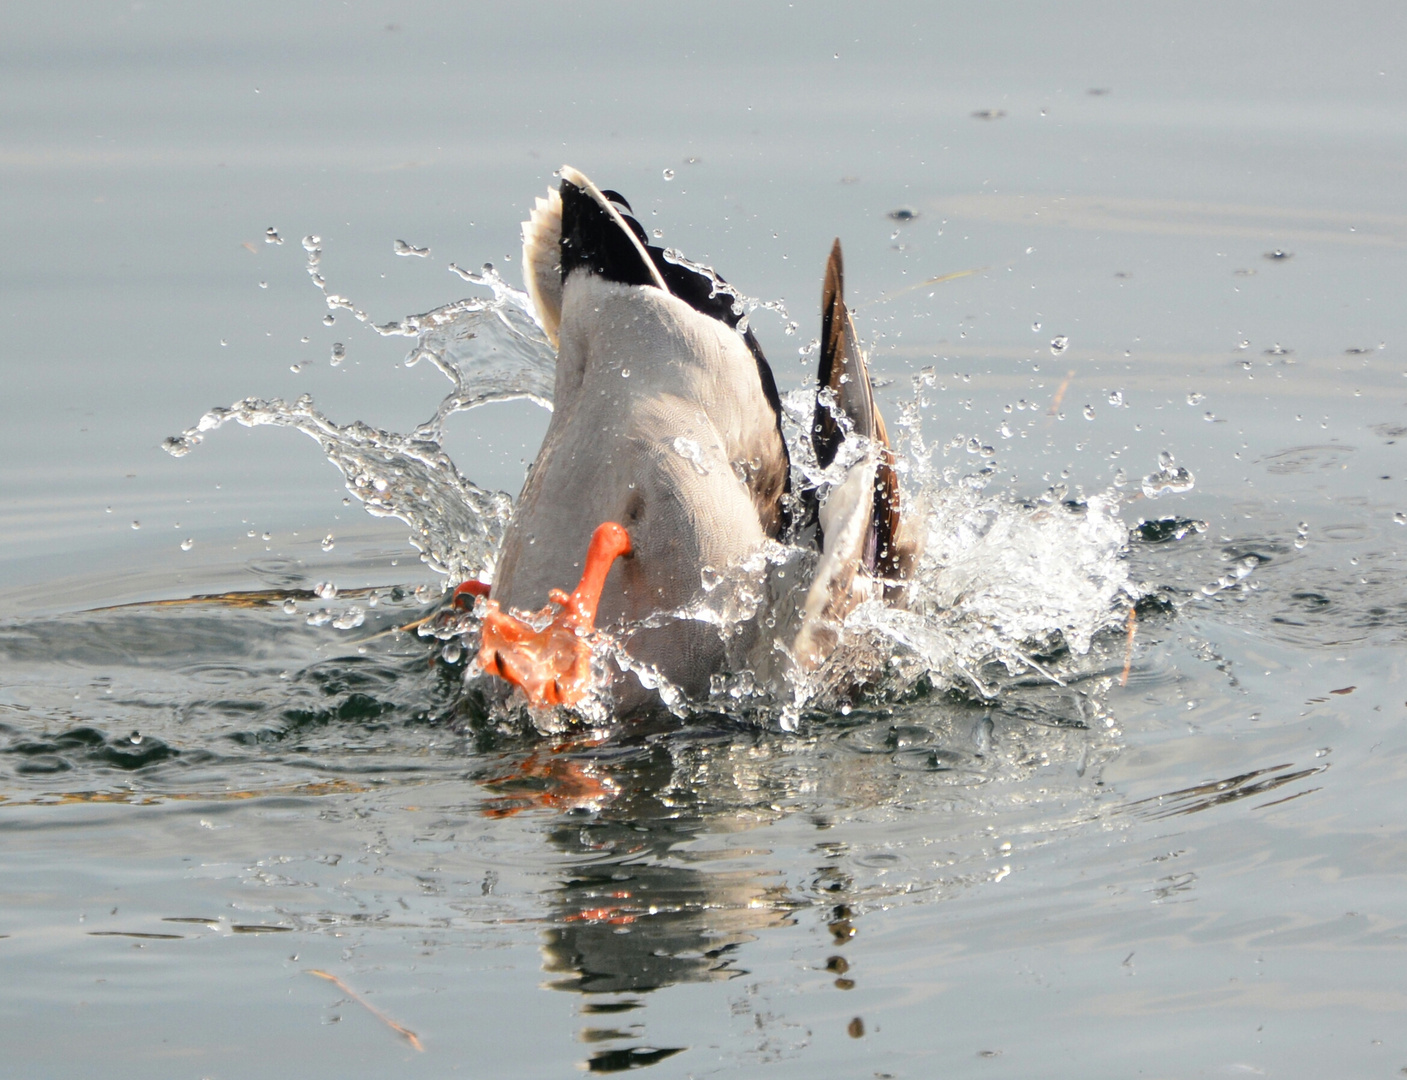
point(1005, 587)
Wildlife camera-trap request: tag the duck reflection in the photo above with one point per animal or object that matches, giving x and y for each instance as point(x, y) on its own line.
point(639, 908)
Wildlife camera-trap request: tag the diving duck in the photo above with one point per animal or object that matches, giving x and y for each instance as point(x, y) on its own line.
point(665, 458)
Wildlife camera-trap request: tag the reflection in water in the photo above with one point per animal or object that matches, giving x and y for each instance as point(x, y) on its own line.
point(635, 911)
point(653, 890)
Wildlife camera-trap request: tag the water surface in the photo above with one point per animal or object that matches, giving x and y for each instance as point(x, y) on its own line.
point(1198, 871)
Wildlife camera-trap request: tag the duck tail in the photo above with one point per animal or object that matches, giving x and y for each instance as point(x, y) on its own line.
point(542, 261)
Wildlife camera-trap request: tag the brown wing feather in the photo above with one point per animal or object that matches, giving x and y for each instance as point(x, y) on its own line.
point(843, 370)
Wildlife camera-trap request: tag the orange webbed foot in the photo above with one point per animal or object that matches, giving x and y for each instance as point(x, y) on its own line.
point(553, 665)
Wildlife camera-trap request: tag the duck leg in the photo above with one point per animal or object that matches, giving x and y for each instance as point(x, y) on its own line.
point(553, 665)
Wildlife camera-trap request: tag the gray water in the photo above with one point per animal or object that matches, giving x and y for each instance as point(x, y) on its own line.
point(1196, 871)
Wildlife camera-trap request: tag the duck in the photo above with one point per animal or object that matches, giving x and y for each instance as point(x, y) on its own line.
point(665, 459)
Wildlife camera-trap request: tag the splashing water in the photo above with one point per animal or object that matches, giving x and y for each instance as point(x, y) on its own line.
point(1004, 587)
point(490, 350)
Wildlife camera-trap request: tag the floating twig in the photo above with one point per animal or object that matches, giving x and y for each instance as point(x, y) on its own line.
point(1060, 394)
point(410, 1036)
point(931, 281)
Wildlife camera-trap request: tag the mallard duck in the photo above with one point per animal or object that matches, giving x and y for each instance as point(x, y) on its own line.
point(665, 457)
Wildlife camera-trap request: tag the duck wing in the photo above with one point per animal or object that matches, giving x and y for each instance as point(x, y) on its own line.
point(860, 522)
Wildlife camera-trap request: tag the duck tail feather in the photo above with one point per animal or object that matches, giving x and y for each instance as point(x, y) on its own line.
point(602, 237)
point(542, 261)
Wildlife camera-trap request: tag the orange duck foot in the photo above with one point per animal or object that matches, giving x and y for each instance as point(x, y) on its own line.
point(553, 665)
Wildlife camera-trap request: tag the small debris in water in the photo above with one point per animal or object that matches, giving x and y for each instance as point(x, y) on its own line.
point(903, 213)
point(402, 248)
point(989, 114)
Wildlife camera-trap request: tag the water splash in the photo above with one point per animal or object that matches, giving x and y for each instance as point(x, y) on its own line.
point(491, 349)
point(1005, 588)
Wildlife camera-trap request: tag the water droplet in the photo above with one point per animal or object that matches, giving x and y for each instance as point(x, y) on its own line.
point(1195, 398)
point(263, 284)
point(1035, 328)
point(1116, 399)
point(1279, 256)
point(328, 542)
point(1244, 343)
point(402, 248)
point(295, 368)
point(903, 213)
point(668, 174)
point(658, 234)
point(325, 590)
point(329, 319)
point(135, 738)
point(271, 236)
point(1400, 517)
point(339, 353)
point(625, 373)
point(1089, 412)
point(136, 525)
point(691, 452)
point(349, 619)
point(290, 606)
point(1059, 344)
point(452, 652)
point(312, 243)
point(1170, 477)
point(187, 544)
point(1005, 430)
